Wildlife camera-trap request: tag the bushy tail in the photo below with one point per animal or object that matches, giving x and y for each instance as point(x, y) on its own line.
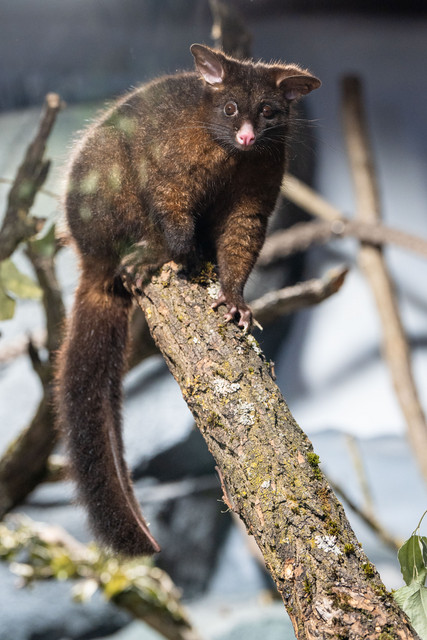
point(89, 398)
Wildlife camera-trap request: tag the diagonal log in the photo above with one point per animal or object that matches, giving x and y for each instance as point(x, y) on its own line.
point(273, 479)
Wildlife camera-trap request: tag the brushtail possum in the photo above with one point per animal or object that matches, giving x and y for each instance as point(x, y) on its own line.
point(188, 163)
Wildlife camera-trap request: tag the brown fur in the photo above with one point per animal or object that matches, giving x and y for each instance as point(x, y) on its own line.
point(163, 168)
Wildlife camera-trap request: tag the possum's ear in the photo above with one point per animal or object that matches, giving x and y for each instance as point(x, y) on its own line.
point(209, 63)
point(296, 83)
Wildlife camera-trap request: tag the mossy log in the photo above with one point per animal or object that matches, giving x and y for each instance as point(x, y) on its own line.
point(270, 473)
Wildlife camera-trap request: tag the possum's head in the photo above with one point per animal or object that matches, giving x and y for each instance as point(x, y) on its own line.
point(249, 102)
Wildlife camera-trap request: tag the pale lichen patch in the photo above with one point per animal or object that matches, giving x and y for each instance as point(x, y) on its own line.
point(223, 387)
point(254, 344)
point(214, 289)
point(245, 413)
point(328, 544)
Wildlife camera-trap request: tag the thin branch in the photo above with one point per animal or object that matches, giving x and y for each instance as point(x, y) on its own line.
point(18, 225)
point(44, 267)
point(308, 199)
point(146, 592)
point(290, 299)
point(333, 225)
point(25, 463)
point(360, 470)
point(46, 192)
point(372, 262)
point(18, 346)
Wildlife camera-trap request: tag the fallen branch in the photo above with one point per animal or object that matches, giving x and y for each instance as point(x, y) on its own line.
point(371, 260)
point(268, 465)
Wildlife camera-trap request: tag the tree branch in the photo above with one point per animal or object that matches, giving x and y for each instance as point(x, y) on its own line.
point(304, 294)
point(272, 475)
point(146, 592)
point(373, 265)
point(17, 224)
point(25, 463)
point(308, 199)
point(333, 225)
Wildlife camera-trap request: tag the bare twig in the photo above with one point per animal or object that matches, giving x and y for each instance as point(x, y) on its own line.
point(333, 225)
point(360, 470)
point(46, 192)
point(17, 224)
point(18, 345)
point(44, 267)
point(277, 303)
point(24, 464)
point(308, 199)
point(372, 262)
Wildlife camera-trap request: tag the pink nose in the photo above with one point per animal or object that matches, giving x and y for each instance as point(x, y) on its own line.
point(245, 135)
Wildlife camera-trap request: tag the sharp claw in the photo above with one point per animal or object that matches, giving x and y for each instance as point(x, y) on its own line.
point(221, 299)
point(231, 313)
point(245, 315)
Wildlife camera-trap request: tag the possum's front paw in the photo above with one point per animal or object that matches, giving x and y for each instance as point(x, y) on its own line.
point(236, 309)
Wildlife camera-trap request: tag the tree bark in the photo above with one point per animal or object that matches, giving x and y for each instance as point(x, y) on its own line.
point(270, 473)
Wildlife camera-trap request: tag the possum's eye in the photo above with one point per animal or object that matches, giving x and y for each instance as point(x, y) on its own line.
point(230, 108)
point(267, 111)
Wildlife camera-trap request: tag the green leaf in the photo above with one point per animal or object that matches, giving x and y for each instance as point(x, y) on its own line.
point(412, 562)
point(17, 283)
point(423, 541)
point(44, 243)
point(7, 306)
point(413, 601)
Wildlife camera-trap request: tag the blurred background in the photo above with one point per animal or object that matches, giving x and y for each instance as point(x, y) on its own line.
point(328, 358)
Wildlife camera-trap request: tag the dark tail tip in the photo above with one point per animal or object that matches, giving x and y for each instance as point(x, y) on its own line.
point(115, 515)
